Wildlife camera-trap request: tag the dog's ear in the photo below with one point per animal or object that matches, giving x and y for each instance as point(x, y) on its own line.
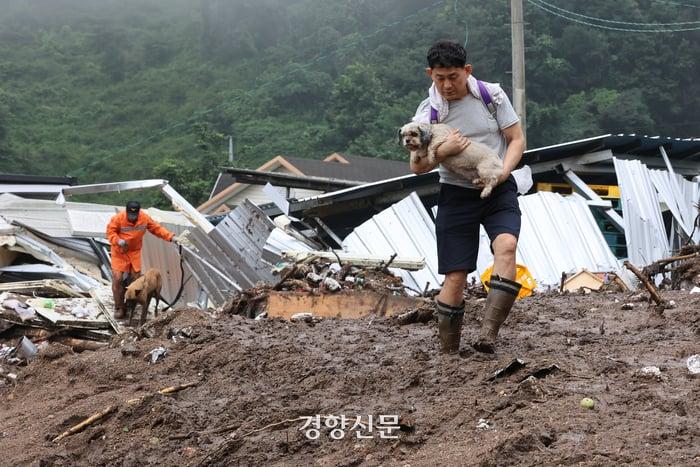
point(425, 134)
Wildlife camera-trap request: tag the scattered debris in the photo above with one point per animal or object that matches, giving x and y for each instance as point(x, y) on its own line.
point(650, 371)
point(484, 424)
point(157, 354)
point(25, 350)
point(515, 365)
point(543, 372)
point(627, 306)
point(695, 290)
point(660, 302)
point(693, 364)
point(85, 423)
point(302, 317)
point(179, 387)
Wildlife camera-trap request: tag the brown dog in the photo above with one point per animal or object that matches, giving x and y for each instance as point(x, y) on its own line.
point(141, 291)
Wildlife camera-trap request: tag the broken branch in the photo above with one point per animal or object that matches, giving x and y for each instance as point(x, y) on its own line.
point(647, 283)
point(85, 423)
point(179, 387)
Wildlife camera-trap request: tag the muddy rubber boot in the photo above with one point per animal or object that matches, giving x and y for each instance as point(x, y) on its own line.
point(499, 301)
point(449, 326)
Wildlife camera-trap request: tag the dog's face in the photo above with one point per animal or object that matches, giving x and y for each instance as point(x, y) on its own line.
point(414, 136)
point(132, 293)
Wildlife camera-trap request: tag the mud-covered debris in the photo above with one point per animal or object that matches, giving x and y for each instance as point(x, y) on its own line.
point(484, 424)
point(186, 332)
point(627, 306)
point(302, 317)
point(650, 371)
point(542, 372)
point(515, 365)
point(693, 364)
point(157, 354)
point(332, 284)
point(129, 350)
point(25, 350)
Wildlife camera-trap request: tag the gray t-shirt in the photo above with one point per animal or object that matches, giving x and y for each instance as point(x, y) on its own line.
point(471, 117)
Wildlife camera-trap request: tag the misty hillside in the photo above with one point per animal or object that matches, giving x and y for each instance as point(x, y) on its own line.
point(109, 90)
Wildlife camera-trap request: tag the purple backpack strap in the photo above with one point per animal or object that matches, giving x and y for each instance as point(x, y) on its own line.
point(486, 97)
point(434, 117)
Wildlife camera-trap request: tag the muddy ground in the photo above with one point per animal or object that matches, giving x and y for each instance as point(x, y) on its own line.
point(251, 374)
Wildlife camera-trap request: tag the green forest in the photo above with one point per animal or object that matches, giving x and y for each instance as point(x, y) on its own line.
point(111, 90)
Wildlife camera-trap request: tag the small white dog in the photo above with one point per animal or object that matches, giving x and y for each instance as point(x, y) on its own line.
point(477, 163)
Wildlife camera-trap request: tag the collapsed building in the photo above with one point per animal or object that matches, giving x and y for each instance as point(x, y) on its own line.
point(350, 251)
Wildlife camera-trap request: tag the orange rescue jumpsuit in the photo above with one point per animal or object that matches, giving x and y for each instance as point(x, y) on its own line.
point(128, 259)
point(119, 228)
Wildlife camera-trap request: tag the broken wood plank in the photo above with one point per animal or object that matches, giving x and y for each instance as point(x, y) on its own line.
point(108, 316)
point(59, 315)
point(339, 305)
point(41, 287)
point(660, 302)
point(401, 262)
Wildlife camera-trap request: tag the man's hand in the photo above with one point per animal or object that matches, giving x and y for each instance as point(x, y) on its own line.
point(453, 145)
point(122, 244)
point(504, 176)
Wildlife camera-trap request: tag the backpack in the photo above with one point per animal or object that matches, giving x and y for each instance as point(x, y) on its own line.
point(485, 98)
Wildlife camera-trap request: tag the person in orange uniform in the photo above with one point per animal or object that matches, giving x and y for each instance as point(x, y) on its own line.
point(125, 233)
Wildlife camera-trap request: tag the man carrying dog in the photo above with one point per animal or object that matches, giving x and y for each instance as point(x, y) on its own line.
point(481, 112)
point(125, 233)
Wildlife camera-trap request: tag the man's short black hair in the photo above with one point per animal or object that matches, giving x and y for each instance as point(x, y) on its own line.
point(447, 54)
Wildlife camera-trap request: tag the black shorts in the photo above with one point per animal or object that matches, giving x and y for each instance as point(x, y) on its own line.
point(461, 210)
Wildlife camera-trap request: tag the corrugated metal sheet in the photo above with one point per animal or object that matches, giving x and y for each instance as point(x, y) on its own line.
point(691, 197)
point(559, 234)
point(234, 247)
point(164, 256)
point(644, 227)
point(681, 202)
point(46, 216)
point(405, 228)
point(280, 241)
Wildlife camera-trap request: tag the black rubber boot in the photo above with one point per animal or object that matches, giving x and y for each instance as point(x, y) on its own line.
point(499, 301)
point(449, 326)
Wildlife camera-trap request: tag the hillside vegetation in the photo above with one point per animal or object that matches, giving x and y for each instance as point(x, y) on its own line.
point(110, 90)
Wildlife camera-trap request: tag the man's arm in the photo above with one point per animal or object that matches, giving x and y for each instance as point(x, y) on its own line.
point(158, 230)
point(515, 139)
point(113, 231)
point(421, 165)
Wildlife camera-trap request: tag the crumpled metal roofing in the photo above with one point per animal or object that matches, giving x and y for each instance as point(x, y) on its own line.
point(681, 196)
point(645, 232)
point(559, 234)
point(235, 248)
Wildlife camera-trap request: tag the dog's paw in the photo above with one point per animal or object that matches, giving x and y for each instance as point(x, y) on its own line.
point(486, 192)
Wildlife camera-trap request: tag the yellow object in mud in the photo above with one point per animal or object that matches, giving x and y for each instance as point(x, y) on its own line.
point(522, 277)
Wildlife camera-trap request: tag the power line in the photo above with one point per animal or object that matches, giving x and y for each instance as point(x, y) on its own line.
point(602, 20)
point(609, 28)
point(669, 2)
point(250, 93)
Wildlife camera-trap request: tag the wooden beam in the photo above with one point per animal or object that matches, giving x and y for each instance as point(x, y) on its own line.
point(351, 305)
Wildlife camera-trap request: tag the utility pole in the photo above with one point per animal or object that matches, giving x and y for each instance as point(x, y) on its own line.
point(230, 149)
point(518, 51)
